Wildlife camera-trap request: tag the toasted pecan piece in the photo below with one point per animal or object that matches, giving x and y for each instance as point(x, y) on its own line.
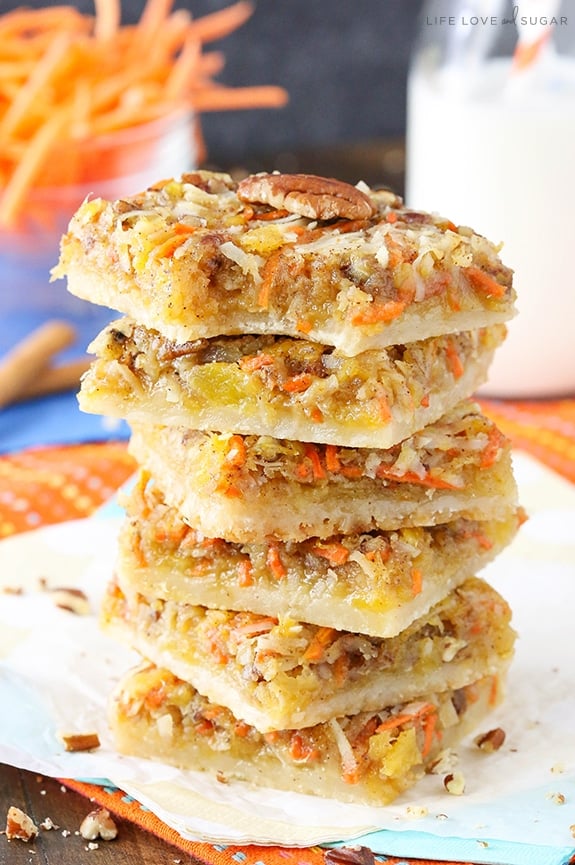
point(80, 741)
point(307, 195)
point(19, 825)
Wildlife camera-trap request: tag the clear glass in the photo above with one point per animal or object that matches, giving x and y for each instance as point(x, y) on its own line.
point(491, 144)
point(111, 166)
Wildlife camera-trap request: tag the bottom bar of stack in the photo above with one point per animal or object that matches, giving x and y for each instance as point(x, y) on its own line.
point(366, 758)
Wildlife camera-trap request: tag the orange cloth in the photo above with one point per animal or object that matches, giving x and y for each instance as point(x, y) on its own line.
point(49, 485)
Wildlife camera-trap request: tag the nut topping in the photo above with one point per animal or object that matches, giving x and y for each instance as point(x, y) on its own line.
point(19, 825)
point(356, 855)
point(454, 783)
point(98, 824)
point(491, 741)
point(70, 599)
point(80, 741)
point(307, 195)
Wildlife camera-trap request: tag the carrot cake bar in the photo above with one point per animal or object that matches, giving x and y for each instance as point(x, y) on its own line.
point(298, 255)
point(252, 488)
point(367, 758)
point(373, 583)
point(277, 673)
point(284, 387)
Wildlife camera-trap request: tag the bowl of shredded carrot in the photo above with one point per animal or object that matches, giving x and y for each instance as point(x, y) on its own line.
point(91, 106)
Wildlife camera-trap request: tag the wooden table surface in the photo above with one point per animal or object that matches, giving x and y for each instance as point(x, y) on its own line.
point(42, 797)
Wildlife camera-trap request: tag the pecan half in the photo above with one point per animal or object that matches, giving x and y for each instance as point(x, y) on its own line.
point(307, 195)
point(355, 855)
point(98, 824)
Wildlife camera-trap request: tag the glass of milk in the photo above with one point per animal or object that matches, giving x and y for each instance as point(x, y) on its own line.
point(491, 144)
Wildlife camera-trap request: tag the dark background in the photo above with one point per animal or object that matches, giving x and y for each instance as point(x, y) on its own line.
point(343, 62)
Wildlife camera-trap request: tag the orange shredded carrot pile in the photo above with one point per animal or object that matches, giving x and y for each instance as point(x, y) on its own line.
point(67, 77)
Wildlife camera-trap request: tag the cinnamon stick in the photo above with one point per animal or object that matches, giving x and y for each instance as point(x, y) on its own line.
point(55, 379)
point(25, 362)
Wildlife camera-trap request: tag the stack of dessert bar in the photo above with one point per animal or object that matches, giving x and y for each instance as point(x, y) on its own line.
point(316, 491)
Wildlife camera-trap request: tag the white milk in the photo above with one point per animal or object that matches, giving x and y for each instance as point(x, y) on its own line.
point(501, 158)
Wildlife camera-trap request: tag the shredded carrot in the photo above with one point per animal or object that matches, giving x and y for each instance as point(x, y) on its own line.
point(91, 75)
point(391, 216)
point(303, 326)
point(245, 577)
point(316, 414)
point(204, 727)
point(269, 271)
point(272, 737)
point(274, 562)
point(472, 693)
point(155, 696)
point(379, 312)
point(241, 729)
point(334, 552)
point(107, 23)
point(332, 459)
point(138, 551)
point(453, 359)
point(427, 480)
point(303, 470)
point(341, 669)
point(221, 23)
point(429, 723)
point(153, 16)
point(395, 252)
point(313, 456)
point(483, 282)
point(352, 776)
point(236, 453)
point(482, 539)
point(384, 409)
point(408, 717)
point(230, 490)
point(219, 655)
point(216, 98)
point(526, 51)
point(297, 383)
point(494, 691)
point(272, 215)
point(169, 246)
point(351, 471)
point(252, 362)
point(258, 625)
point(316, 648)
point(491, 451)
point(416, 581)
point(235, 458)
point(453, 297)
point(171, 535)
point(301, 751)
point(212, 712)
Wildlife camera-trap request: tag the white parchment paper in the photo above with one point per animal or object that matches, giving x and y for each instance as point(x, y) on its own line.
point(57, 670)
